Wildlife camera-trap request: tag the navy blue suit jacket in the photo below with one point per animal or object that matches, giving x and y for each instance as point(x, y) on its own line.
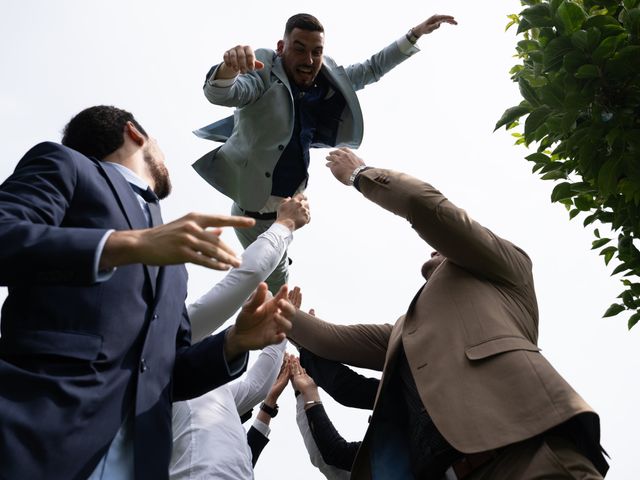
point(76, 357)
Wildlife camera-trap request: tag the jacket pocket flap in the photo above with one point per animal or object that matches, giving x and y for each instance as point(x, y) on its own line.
point(84, 346)
point(499, 345)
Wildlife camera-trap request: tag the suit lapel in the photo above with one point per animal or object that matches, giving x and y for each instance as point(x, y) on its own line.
point(128, 202)
point(278, 71)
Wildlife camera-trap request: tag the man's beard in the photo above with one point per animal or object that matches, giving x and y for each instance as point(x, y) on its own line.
point(160, 176)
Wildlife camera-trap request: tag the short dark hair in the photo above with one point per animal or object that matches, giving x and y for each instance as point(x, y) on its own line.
point(98, 131)
point(303, 21)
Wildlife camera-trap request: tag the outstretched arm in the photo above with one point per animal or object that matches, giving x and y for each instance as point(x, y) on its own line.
point(371, 70)
point(345, 386)
point(445, 227)
point(334, 449)
point(258, 261)
point(236, 80)
point(429, 25)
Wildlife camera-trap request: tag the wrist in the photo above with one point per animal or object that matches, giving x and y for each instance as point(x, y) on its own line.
point(271, 401)
point(121, 248)
point(287, 222)
point(232, 344)
point(412, 37)
point(311, 403)
point(271, 410)
point(311, 396)
point(355, 173)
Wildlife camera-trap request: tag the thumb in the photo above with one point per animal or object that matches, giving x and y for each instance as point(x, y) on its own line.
point(258, 65)
point(257, 299)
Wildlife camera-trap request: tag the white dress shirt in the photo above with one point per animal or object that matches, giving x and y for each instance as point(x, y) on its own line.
point(209, 440)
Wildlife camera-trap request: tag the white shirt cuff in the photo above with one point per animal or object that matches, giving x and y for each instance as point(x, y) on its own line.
point(406, 46)
point(262, 427)
point(101, 275)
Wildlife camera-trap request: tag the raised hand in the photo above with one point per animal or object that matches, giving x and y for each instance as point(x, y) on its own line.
point(281, 381)
point(432, 23)
point(262, 321)
point(189, 239)
point(303, 382)
point(237, 60)
point(342, 162)
point(295, 297)
point(293, 212)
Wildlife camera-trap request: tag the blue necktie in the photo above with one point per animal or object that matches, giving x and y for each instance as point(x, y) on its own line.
point(152, 204)
point(155, 217)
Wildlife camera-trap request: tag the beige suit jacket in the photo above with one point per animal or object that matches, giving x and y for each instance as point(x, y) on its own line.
point(470, 334)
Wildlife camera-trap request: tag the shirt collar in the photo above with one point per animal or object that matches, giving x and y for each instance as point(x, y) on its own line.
point(128, 174)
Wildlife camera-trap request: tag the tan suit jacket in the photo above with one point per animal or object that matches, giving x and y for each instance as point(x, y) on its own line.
point(470, 334)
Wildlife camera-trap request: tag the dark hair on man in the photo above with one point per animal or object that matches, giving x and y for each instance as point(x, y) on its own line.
point(98, 131)
point(303, 21)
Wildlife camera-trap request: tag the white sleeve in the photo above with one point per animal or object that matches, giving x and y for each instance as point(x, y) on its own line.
point(258, 261)
point(255, 385)
point(329, 471)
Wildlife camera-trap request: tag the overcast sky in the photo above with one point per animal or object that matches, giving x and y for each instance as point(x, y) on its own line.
point(432, 117)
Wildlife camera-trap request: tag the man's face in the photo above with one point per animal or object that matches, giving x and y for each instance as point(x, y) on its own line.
point(430, 265)
point(154, 160)
point(301, 53)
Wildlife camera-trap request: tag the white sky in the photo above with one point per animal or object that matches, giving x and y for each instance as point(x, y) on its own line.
point(432, 117)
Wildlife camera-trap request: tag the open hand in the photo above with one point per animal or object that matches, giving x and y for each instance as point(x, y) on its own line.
point(262, 321)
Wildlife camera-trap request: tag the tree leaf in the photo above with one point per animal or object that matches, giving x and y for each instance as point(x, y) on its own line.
point(538, 157)
point(619, 269)
point(608, 254)
point(599, 243)
point(561, 191)
point(535, 119)
point(587, 71)
point(613, 310)
point(580, 40)
point(554, 53)
point(572, 16)
point(528, 92)
point(510, 115)
point(538, 16)
point(607, 48)
point(633, 320)
point(554, 175)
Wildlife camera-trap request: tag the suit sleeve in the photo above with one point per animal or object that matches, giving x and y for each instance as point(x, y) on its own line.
point(246, 89)
point(347, 387)
point(257, 441)
point(201, 367)
point(37, 246)
point(358, 345)
point(334, 449)
point(372, 69)
point(445, 227)
point(329, 471)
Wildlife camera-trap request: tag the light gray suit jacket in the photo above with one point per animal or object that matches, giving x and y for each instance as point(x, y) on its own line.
point(263, 121)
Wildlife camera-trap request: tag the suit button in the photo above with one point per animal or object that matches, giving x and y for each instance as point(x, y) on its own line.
point(267, 174)
point(280, 147)
point(155, 316)
point(143, 366)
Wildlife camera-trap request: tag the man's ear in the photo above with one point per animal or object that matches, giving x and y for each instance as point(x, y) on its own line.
point(280, 47)
point(134, 134)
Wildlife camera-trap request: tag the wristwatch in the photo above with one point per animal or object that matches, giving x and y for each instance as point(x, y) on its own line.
point(355, 173)
point(411, 37)
point(271, 411)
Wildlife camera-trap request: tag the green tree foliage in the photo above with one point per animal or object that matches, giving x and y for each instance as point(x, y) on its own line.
point(579, 76)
